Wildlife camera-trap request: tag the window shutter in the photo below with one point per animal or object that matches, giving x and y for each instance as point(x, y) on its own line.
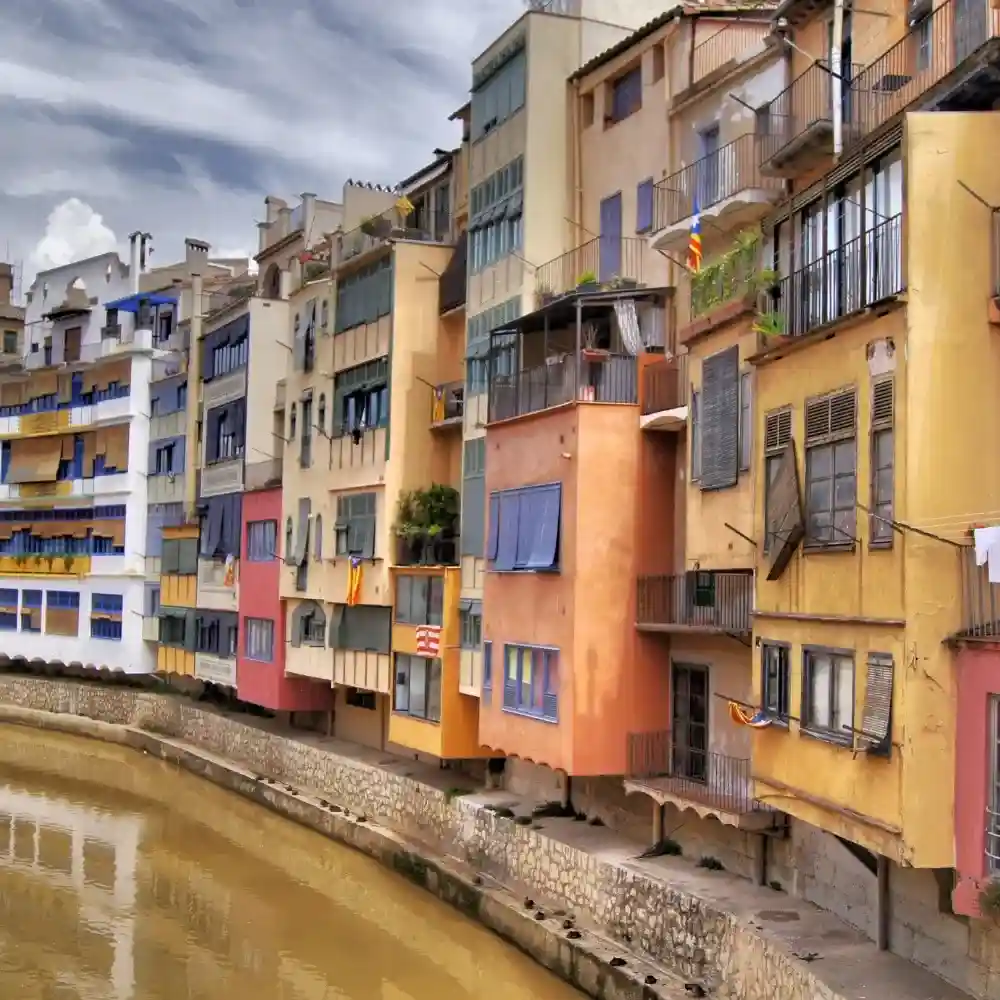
point(746, 420)
point(170, 560)
point(882, 404)
point(473, 515)
point(784, 508)
point(302, 537)
point(777, 430)
point(299, 344)
point(720, 420)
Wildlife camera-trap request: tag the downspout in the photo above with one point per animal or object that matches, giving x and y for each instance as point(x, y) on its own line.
point(577, 163)
point(837, 79)
point(193, 456)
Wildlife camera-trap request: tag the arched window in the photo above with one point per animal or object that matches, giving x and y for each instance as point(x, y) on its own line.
point(291, 424)
point(318, 543)
point(288, 539)
point(321, 413)
point(272, 282)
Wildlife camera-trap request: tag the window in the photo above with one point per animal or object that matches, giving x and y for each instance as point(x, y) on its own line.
point(524, 529)
point(993, 765)
point(831, 479)
point(164, 464)
point(312, 626)
point(361, 398)
point(418, 687)
point(659, 60)
point(471, 626)
point(292, 423)
point(228, 357)
point(644, 199)
point(31, 611)
point(625, 95)
point(259, 644)
point(321, 414)
point(355, 527)
point(10, 341)
point(777, 436)
point(8, 609)
point(318, 540)
point(61, 599)
point(487, 690)
point(720, 419)
point(305, 446)
point(106, 616)
point(262, 540)
point(498, 92)
point(179, 555)
point(364, 296)
point(880, 530)
point(828, 694)
point(746, 422)
point(419, 600)
point(922, 38)
point(473, 508)
point(531, 681)
point(361, 699)
point(695, 436)
point(495, 227)
point(363, 627)
point(775, 683)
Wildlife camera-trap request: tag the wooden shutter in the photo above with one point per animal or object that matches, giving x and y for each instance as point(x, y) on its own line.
point(720, 420)
point(777, 430)
point(833, 416)
point(785, 522)
point(876, 715)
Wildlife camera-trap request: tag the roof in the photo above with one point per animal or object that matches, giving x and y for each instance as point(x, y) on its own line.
point(130, 304)
point(442, 158)
point(676, 12)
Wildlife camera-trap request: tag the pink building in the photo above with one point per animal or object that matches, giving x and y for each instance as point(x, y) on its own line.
point(260, 664)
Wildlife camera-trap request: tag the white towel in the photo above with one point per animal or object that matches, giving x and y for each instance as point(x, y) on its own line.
point(987, 542)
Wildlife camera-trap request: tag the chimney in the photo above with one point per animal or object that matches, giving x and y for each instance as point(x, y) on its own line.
point(308, 215)
point(133, 262)
point(272, 205)
point(6, 283)
point(262, 231)
point(284, 221)
point(196, 256)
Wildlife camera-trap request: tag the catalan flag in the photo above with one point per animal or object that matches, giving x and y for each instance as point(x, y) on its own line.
point(755, 720)
point(694, 240)
point(355, 575)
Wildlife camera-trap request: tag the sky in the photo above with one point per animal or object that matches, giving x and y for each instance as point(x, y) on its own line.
point(176, 117)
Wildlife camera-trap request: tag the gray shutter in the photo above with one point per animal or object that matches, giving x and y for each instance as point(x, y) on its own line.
point(302, 537)
point(170, 560)
point(187, 556)
point(299, 344)
point(720, 420)
point(784, 513)
point(473, 541)
point(191, 631)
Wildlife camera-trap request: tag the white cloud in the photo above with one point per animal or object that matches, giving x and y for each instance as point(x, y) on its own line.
point(73, 231)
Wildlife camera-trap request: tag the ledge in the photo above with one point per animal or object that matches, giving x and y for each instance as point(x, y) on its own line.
point(720, 316)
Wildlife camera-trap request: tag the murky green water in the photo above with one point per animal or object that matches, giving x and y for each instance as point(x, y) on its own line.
point(123, 878)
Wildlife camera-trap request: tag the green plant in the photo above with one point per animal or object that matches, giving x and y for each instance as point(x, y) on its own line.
point(730, 275)
point(587, 278)
point(430, 513)
point(769, 324)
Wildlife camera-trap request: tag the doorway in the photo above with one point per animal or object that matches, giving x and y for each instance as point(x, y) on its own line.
point(689, 712)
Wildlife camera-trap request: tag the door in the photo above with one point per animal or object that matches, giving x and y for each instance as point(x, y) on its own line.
point(690, 721)
point(71, 344)
point(708, 170)
point(610, 264)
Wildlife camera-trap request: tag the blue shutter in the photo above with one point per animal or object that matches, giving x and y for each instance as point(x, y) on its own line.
point(644, 206)
point(506, 555)
point(494, 533)
point(531, 506)
point(544, 552)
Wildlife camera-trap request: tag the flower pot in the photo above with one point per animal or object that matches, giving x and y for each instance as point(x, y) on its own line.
point(587, 286)
point(594, 354)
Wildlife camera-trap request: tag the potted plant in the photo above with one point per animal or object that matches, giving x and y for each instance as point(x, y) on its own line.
point(589, 351)
point(620, 284)
point(587, 282)
point(544, 295)
point(771, 327)
point(426, 522)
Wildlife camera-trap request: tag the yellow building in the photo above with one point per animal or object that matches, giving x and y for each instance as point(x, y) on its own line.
point(178, 616)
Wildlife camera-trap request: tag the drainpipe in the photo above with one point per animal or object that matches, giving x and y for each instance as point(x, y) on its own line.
point(577, 164)
point(837, 79)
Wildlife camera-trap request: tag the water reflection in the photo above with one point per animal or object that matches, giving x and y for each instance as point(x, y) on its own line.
point(122, 878)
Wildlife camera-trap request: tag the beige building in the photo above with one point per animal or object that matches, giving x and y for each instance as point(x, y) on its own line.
point(11, 318)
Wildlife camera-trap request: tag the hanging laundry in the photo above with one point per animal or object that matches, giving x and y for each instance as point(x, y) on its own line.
point(987, 541)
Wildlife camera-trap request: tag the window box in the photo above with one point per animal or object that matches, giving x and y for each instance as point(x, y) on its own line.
point(594, 354)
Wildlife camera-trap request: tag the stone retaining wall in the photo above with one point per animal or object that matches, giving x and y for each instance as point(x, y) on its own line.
point(688, 935)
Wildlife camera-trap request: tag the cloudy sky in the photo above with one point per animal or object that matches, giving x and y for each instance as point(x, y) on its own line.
point(178, 116)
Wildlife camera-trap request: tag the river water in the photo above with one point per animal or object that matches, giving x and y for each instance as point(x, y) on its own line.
point(123, 878)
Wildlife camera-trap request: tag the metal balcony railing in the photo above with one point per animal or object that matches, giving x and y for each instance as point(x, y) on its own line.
point(731, 42)
point(612, 379)
point(720, 175)
point(682, 764)
point(447, 403)
point(980, 600)
point(805, 106)
point(701, 600)
point(604, 259)
point(862, 272)
point(920, 60)
point(393, 223)
point(664, 385)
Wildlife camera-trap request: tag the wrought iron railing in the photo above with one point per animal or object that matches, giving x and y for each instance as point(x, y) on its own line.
point(862, 272)
point(664, 385)
point(806, 103)
point(980, 600)
point(720, 175)
point(714, 601)
point(602, 259)
point(729, 43)
point(448, 402)
point(597, 377)
point(378, 229)
point(920, 60)
point(682, 763)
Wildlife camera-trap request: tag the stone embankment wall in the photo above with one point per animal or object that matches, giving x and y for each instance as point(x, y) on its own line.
point(698, 939)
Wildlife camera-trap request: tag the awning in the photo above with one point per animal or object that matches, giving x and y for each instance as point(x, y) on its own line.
point(34, 460)
point(131, 303)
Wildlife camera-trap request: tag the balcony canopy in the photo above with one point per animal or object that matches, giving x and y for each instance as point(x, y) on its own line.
point(131, 303)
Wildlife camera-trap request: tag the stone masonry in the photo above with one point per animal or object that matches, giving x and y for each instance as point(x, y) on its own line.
point(744, 942)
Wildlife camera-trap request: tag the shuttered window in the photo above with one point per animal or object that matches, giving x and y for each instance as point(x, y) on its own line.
point(695, 436)
point(720, 419)
point(355, 525)
point(474, 498)
point(882, 464)
point(777, 435)
point(831, 469)
point(524, 529)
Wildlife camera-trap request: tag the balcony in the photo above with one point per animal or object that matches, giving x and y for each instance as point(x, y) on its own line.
point(727, 187)
point(980, 601)
point(795, 130)
point(605, 260)
point(263, 475)
point(733, 43)
point(864, 272)
point(222, 477)
point(219, 670)
point(663, 400)
point(682, 771)
point(378, 230)
point(710, 602)
point(116, 341)
point(97, 486)
point(918, 67)
point(165, 489)
point(224, 389)
point(25, 565)
point(448, 405)
point(218, 585)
